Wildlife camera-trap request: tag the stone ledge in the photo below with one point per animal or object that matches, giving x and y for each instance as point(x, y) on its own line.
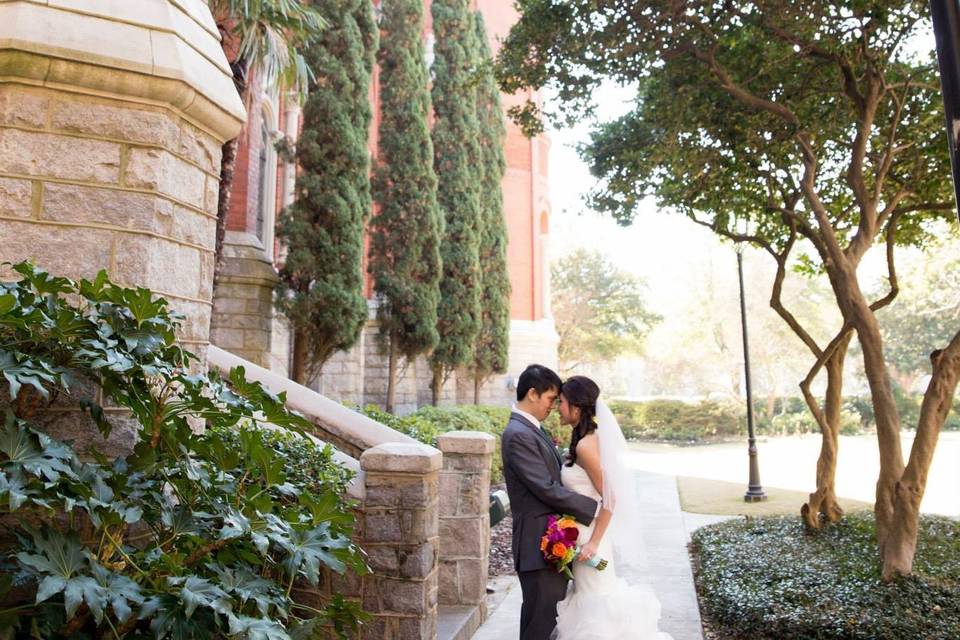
point(475, 442)
point(401, 457)
point(146, 60)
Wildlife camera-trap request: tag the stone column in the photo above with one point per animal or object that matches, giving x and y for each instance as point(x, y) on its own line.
point(112, 115)
point(465, 517)
point(401, 538)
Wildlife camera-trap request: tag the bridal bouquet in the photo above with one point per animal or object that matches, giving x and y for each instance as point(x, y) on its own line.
point(559, 545)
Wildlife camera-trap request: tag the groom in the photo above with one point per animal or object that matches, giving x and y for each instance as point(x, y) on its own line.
point(531, 468)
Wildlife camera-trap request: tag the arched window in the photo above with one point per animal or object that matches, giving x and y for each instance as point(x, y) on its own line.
point(267, 165)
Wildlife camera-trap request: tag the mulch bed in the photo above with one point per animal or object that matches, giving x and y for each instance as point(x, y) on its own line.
point(501, 555)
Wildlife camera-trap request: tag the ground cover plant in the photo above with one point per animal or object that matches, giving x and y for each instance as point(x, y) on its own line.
point(203, 530)
point(773, 577)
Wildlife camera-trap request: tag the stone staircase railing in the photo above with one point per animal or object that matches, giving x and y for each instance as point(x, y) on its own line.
point(422, 514)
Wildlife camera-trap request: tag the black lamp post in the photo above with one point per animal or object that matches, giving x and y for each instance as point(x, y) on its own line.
point(946, 29)
point(754, 490)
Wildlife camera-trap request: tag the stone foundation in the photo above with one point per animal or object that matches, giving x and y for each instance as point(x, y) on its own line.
point(359, 376)
point(243, 300)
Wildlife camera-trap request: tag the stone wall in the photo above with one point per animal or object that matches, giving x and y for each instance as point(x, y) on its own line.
point(111, 126)
point(110, 144)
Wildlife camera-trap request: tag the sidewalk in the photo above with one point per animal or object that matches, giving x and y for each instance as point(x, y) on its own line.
point(664, 534)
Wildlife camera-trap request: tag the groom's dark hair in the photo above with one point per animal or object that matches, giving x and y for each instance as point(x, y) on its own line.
point(539, 378)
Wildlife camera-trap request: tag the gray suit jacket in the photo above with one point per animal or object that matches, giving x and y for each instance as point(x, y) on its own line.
point(531, 468)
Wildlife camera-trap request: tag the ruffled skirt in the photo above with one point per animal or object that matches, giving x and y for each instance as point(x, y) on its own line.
point(600, 605)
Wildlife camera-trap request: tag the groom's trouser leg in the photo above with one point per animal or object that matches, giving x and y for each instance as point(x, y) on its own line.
point(542, 590)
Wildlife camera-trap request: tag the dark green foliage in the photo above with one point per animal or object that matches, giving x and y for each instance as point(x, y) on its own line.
point(456, 154)
point(405, 231)
point(189, 536)
point(321, 282)
point(493, 340)
point(773, 578)
point(429, 422)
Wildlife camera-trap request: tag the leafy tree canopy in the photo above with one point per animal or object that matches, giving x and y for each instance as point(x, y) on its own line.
point(599, 309)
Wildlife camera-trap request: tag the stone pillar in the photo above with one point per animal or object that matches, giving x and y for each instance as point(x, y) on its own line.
point(465, 517)
point(401, 538)
point(112, 116)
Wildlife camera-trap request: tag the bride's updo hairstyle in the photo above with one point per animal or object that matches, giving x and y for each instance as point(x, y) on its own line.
point(581, 392)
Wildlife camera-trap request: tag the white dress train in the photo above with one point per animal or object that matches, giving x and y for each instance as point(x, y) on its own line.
point(600, 605)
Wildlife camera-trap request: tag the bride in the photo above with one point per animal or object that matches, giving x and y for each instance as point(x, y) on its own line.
point(600, 605)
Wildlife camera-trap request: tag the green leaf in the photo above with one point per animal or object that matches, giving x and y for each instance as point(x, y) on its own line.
point(199, 592)
point(7, 303)
point(257, 628)
point(14, 488)
point(56, 554)
point(116, 590)
point(36, 453)
point(308, 550)
point(20, 370)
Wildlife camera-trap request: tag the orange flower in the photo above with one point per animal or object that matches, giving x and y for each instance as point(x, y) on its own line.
point(558, 549)
point(543, 543)
point(566, 523)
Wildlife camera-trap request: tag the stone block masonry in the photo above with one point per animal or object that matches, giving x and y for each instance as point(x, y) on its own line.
point(464, 517)
point(402, 539)
point(111, 126)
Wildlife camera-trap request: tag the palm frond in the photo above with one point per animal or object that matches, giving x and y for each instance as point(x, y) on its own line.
point(271, 34)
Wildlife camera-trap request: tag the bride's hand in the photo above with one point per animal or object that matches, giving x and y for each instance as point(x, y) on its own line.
point(587, 551)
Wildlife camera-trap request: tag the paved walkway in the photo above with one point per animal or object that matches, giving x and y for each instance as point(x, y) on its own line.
point(665, 534)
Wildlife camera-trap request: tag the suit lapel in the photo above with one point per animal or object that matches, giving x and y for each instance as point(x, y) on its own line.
point(540, 433)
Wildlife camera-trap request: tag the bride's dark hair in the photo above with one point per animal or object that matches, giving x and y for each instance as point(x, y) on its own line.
point(581, 392)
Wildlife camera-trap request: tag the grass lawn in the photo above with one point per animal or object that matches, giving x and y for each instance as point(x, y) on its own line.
point(700, 495)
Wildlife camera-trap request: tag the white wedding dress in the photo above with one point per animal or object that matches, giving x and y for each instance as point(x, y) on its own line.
point(599, 604)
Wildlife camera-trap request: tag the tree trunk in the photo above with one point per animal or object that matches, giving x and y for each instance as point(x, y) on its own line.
point(392, 375)
point(228, 166)
point(888, 425)
point(477, 383)
point(823, 501)
point(301, 345)
point(901, 540)
point(435, 385)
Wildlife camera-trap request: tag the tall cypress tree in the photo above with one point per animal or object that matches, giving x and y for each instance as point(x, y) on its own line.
point(456, 155)
point(494, 337)
point(321, 282)
point(405, 230)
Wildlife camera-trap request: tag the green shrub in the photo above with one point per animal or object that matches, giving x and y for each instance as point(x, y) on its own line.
point(771, 578)
point(192, 535)
point(429, 422)
point(788, 424)
point(676, 420)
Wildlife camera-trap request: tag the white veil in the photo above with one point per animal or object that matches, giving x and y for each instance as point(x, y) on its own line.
point(619, 493)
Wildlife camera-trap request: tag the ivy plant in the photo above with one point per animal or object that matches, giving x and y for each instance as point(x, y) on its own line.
point(201, 531)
